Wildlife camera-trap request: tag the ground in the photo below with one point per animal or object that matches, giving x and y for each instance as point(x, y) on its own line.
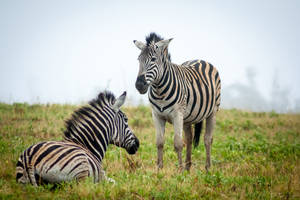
point(254, 156)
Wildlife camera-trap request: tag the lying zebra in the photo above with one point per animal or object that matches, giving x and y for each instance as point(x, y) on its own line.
point(88, 133)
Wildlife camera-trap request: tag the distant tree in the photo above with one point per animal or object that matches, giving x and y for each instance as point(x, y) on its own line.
point(244, 96)
point(279, 96)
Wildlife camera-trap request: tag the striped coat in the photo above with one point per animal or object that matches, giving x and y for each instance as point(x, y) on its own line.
point(194, 84)
point(183, 95)
point(88, 133)
point(57, 161)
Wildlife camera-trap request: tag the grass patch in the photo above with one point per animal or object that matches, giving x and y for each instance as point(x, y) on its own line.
point(254, 156)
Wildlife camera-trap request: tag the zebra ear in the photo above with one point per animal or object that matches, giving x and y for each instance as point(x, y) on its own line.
point(119, 102)
point(139, 44)
point(163, 43)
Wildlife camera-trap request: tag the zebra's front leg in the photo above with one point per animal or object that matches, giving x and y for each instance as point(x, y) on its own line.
point(189, 140)
point(208, 138)
point(178, 143)
point(159, 124)
point(102, 176)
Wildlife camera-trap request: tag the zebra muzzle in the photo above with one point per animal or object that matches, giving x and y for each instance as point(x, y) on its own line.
point(141, 84)
point(134, 147)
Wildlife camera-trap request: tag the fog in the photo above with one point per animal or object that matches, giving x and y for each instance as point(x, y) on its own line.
point(247, 96)
point(68, 51)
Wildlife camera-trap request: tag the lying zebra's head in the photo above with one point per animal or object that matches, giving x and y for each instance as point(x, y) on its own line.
point(152, 59)
point(123, 136)
point(100, 123)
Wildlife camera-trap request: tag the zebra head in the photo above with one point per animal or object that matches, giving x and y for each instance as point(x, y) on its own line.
point(123, 136)
point(152, 60)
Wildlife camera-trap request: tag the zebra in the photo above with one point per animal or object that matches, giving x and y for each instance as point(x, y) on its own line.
point(183, 95)
point(88, 133)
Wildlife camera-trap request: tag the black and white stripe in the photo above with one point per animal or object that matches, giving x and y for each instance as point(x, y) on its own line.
point(191, 89)
point(88, 133)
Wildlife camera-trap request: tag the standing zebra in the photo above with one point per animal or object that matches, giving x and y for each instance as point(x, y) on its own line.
point(88, 133)
point(183, 95)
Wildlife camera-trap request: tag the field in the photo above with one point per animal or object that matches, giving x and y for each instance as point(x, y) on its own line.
point(254, 156)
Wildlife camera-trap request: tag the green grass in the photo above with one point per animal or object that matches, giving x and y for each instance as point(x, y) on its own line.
point(254, 156)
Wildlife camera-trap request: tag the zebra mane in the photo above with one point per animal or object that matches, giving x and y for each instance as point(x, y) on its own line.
point(153, 38)
point(104, 98)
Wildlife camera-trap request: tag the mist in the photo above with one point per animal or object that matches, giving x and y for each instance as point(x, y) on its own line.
point(248, 96)
point(69, 51)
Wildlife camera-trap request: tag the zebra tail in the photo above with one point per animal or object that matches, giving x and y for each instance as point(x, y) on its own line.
point(198, 128)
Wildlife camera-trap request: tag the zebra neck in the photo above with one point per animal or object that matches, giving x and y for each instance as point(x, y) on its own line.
point(167, 92)
point(94, 143)
point(159, 87)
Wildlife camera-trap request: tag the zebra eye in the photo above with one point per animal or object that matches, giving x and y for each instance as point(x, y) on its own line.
point(126, 119)
point(153, 59)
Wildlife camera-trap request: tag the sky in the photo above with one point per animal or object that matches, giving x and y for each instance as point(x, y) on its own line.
point(63, 51)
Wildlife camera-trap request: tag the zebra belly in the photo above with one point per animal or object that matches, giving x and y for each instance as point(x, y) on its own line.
point(201, 103)
point(191, 114)
point(198, 114)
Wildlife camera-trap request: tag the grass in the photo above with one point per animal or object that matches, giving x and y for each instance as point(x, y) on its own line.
point(254, 156)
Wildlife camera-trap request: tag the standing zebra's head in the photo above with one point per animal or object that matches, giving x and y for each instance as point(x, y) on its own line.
point(154, 55)
point(123, 136)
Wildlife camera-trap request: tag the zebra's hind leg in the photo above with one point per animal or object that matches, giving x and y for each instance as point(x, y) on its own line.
point(82, 175)
point(208, 138)
point(189, 139)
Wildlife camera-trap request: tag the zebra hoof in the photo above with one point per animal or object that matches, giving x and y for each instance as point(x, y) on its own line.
point(159, 165)
point(111, 180)
point(207, 168)
point(187, 168)
point(181, 169)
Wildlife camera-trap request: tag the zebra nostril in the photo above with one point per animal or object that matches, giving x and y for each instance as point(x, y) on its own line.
point(141, 81)
point(139, 84)
point(142, 88)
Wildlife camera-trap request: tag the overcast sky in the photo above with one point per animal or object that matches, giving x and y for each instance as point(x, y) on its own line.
point(67, 51)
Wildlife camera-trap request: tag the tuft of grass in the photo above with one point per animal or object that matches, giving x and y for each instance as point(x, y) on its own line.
point(254, 156)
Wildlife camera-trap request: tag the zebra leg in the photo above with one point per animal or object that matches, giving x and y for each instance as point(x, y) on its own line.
point(82, 175)
point(82, 171)
point(189, 139)
point(102, 176)
point(160, 131)
point(208, 138)
point(178, 143)
point(31, 175)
